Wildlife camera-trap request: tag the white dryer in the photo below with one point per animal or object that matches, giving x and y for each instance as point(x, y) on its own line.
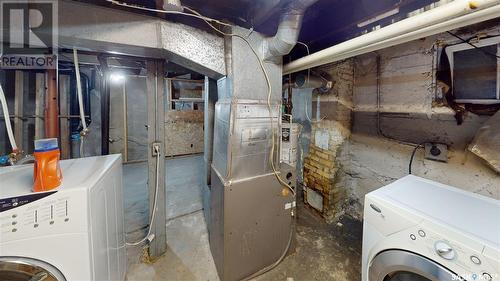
point(416, 229)
point(74, 232)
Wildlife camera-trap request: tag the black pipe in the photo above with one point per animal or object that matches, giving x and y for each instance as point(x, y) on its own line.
point(105, 97)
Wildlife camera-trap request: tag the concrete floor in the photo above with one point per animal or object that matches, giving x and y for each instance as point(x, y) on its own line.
point(323, 252)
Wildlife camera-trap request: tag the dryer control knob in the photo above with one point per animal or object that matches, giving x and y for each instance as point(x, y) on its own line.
point(444, 250)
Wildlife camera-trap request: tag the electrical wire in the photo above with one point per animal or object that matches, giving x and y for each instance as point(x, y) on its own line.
point(196, 15)
point(271, 153)
point(269, 94)
point(8, 125)
point(474, 46)
point(147, 237)
point(413, 155)
point(308, 53)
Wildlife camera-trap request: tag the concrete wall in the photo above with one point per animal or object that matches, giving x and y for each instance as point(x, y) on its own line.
point(372, 155)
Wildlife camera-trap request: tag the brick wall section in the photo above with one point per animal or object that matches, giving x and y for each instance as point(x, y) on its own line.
point(321, 167)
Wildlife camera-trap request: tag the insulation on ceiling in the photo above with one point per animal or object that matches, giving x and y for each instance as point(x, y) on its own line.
point(486, 143)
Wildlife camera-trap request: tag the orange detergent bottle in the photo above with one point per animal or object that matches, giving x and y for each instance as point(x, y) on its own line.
point(47, 173)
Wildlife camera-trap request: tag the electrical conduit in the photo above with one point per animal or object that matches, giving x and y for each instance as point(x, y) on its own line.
point(449, 16)
point(5, 110)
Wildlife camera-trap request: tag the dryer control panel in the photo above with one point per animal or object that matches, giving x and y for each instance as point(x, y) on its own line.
point(40, 214)
point(468, 259)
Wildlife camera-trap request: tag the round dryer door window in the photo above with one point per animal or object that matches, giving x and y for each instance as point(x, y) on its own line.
point(398, 265)
point(26, 269)
point(405, 276)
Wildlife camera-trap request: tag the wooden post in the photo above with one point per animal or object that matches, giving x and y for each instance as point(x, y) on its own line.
point(18, 109)
point(65, 145)
point(39, 104)
point(156, 136)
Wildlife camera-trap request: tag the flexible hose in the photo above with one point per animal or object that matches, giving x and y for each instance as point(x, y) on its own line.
point(413, 155)
point(6, 116)
point(79, 89)
point(84, 131)
point(271, 153)
point(268, 81)
point(82, 140)
point(151, 222)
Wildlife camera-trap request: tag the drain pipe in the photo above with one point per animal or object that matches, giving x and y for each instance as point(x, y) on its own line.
point(288, 30)
point(450, 16)
point(51, 106)
point(8, 125)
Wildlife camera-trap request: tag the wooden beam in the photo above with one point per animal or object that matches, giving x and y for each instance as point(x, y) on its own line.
point(64, 93)
point(18, 108)
point(39, 104)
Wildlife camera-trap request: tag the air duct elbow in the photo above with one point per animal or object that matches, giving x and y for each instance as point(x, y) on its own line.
point(288, 30)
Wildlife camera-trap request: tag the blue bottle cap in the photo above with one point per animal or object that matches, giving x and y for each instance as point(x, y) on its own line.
point(46, 145)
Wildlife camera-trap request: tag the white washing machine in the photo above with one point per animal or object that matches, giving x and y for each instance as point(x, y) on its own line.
point(74, 232)
point(416, 229)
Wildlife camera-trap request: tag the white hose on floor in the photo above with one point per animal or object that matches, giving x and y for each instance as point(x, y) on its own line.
point(155, 200)
point(5, 110)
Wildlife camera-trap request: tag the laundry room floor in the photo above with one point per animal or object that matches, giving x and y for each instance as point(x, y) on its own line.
point(323, 252)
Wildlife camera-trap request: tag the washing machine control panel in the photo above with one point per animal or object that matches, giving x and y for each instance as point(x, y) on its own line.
point(39, 214)
point(465, 257)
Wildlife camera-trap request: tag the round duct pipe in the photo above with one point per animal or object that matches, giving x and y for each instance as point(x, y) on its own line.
point(304, 81)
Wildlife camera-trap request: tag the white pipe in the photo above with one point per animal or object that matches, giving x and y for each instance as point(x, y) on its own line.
point(79, 90)
point(456, 14)
point(6, 116)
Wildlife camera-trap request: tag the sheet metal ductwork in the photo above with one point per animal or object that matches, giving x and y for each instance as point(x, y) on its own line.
point(251, 219)
point(288, 30)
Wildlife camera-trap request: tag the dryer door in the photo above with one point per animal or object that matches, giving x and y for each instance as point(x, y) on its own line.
point(398, 265)
point(26, 269)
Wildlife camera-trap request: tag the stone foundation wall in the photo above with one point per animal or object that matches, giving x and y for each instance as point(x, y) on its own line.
point(329, 132)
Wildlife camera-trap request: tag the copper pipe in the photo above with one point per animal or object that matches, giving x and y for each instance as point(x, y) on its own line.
point(51, 111)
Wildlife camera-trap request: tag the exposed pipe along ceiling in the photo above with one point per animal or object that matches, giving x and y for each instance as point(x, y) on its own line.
point(293, 106)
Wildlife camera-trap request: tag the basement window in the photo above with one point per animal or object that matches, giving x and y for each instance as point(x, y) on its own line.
point(476, 71)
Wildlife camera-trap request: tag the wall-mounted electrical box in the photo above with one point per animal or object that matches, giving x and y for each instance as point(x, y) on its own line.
point(436, 152)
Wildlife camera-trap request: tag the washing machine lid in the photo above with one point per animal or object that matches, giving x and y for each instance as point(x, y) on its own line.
point(27, 269)
point(77, 173)
point(389, 264)
point(471, 213)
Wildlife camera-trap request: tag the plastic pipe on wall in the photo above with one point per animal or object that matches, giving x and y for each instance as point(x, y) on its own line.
point(5, 110)
point(456, 14)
